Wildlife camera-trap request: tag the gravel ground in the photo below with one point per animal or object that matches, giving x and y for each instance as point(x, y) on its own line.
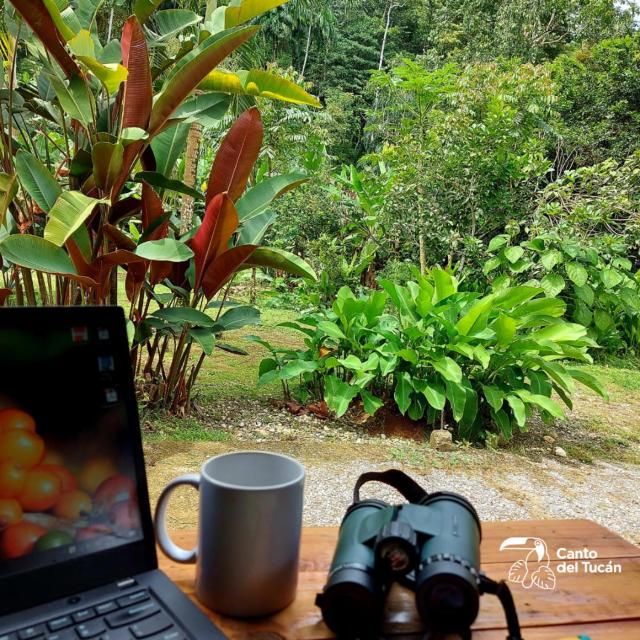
point(501, 484)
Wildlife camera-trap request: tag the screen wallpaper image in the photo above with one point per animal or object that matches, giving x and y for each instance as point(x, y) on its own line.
point(67, 477)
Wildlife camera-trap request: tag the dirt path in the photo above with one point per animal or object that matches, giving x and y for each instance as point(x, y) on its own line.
point(501, 485)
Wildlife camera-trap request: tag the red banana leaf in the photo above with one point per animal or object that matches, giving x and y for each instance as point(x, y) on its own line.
point(120, 239)
point(138, 92)
point(137, 96)
point(191, 74)
point(37, 16)
point(152, 211)
point(151, 206)
point(125, 208)
point(223, 267)
point(212, 238)
point(4, 294)
point(236, 156)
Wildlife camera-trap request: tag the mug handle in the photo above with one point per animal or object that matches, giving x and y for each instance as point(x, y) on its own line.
point(168, 546)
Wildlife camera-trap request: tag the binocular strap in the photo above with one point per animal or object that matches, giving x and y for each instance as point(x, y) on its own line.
point(400, 481)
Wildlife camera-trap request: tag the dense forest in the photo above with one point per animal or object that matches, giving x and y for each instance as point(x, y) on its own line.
point(458, 179)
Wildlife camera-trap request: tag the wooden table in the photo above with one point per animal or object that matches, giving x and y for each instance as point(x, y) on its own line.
point(604, 606)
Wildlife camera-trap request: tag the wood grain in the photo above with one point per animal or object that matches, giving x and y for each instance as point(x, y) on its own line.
point(603, 606)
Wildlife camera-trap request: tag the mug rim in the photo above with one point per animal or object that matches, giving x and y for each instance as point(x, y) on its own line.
point(227, 485)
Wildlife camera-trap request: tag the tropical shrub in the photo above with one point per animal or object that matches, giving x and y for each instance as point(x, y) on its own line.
point(483, 363)
point(597, 281)
point(583, 247)
point(91, 190)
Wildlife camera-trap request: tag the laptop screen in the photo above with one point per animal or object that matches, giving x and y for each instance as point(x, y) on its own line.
point(67, 468)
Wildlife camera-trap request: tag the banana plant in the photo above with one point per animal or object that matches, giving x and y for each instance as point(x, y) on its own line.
point(98, 199)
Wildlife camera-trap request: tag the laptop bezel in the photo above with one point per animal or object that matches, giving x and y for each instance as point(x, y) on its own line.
point(40, 585)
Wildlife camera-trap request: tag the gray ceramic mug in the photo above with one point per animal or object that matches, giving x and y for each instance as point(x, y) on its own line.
point(249, 531)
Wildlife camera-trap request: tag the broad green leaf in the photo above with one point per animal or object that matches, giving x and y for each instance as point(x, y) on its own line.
point(552, 284)
point(296, 368)
point(482, 355)
point(448, 369)
point(611, 278)
point(560, 332)
point(589, 381)
point(490, 265)
point(156, 179)
point(168, 146)
point(370, 402)
point(497, 242)
point(553, 307)
point(505, 328)
point(517, 406)
point(257, 83)
point(192, 70)
point(8, 190)
point(169, 22)
point(36, 253)
point(494, 396)
point(577, 273)
point(457, 397)
point(331, 329)
point(132, 134)
point(75, 99)
point(338, 394)
point(268, 369)
point(245, 10)
point(111, 75)
point(204, 338)
point(547, 404)
point(503, 423)
point(409, 355)
point(586, 294)
point(551, 258)
point(144, 8)
point(203, 108)
point(445, 284)
point(166, 249)
point(513, 254)
point(433, 392)
point(512, 297)
point(185, 315)
point(470, 321)
point(238, 317)
point(602, 320)
point(402, 392)
point(417, 407)
point(54, 11)
point(351, 362)
point(258, 198)
point(81, 44)
point(69, 212)
point(107, 163)
point(252, 231)
point(280, 259)
point(37, 181)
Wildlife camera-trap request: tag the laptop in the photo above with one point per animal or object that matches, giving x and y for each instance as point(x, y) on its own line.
point(77, 548)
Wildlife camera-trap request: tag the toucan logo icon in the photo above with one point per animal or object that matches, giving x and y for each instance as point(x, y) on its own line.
point(535, 567)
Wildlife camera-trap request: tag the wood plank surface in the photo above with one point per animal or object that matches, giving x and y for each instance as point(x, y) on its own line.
point(603, 606)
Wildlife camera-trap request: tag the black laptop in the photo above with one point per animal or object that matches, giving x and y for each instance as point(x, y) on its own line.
point(77, 549)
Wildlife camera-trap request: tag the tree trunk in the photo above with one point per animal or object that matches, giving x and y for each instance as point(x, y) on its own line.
point(306, 50)
point(190, 174)
point(386, 34)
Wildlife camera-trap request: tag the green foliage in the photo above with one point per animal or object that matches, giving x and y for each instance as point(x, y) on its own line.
point(487, 362)
point(583, 247)
point(466, 147)
point(599, 94)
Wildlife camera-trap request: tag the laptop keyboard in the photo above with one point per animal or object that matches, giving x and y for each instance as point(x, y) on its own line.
point(131, 617)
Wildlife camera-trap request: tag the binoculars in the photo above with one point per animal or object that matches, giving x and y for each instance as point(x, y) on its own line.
point(431, 545)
